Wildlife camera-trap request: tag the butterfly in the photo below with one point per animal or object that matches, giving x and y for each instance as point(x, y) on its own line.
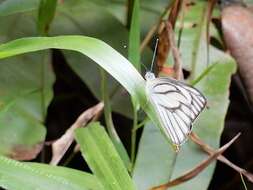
point(176, 104)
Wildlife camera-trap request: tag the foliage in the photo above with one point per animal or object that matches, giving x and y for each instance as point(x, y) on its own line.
point(95, 33)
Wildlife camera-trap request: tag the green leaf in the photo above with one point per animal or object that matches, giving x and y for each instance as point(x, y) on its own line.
point(134, 58)
point(25, 95)
point(193, 46)
point(29, 176)
point(69, 19)
point(26, 91)
point(95, 49)
point(102, 158)
point(109, 121)
point(100, 52)
point(81, 179)
point(45, 15)
point(215, 86)
point(214, 78)
point(134, 36)
point(154, 159)
point(10, 7)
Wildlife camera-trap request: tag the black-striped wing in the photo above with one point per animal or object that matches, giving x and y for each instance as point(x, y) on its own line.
point(177, 105)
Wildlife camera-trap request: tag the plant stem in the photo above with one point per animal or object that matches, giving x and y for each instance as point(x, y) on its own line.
point(133, 135)
point(107, 108)
point(109, 121)
point(155, 27)
point(173, 164)
point(243, 182)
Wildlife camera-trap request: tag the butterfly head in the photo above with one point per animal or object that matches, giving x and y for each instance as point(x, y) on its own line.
point(149, 75)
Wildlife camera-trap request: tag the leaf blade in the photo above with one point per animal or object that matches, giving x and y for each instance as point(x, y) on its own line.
point(134, 36)
point(16, 175)
point(95, 49)
point(102, 157)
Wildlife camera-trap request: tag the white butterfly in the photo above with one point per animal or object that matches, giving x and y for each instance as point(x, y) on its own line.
point(176, 104)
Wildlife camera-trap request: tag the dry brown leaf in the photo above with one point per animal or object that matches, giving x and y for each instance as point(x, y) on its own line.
point(237, 22)
point(163, 46)
point(167, 42)
point(177, 67)
point(154, 28)
point(25, 152)
point(195, 171)
point(60, 146)
point(166, 35)
point(175, 9)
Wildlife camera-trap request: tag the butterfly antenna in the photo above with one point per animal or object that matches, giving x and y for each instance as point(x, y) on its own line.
point(153, 59)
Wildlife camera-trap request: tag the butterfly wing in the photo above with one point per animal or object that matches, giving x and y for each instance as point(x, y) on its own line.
point(177, 105)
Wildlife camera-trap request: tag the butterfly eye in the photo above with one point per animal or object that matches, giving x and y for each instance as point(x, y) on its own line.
point(149, 76)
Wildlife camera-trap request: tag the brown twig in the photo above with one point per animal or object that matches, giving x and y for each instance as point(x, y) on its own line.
point(221, 158)
point(178, 73)
point(168, 42)
point(181, 21)
point(210, 7)
point(175, 9)
point(60, 146)
point(199, 168)
point(154, 28)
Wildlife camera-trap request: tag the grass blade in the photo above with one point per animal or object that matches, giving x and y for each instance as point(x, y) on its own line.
point(102, 158)
point(16, 175)
point(134, 36)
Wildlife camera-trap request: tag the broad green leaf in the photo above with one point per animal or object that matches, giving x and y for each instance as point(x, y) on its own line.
point(25, 92)
point(154, 159)
point(24, 99)
point(16, 175)
point(9, 7)
point(193, 45)
point(215, 86)
point(102, 158)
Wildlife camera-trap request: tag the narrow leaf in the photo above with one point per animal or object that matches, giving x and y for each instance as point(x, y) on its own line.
point(95, 49)
point(102, 158)
point(134, 36)
point(45, 15)
point(109, 121)
point(16, 175)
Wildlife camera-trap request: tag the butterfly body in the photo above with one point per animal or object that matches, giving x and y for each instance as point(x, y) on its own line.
point(176, 104)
